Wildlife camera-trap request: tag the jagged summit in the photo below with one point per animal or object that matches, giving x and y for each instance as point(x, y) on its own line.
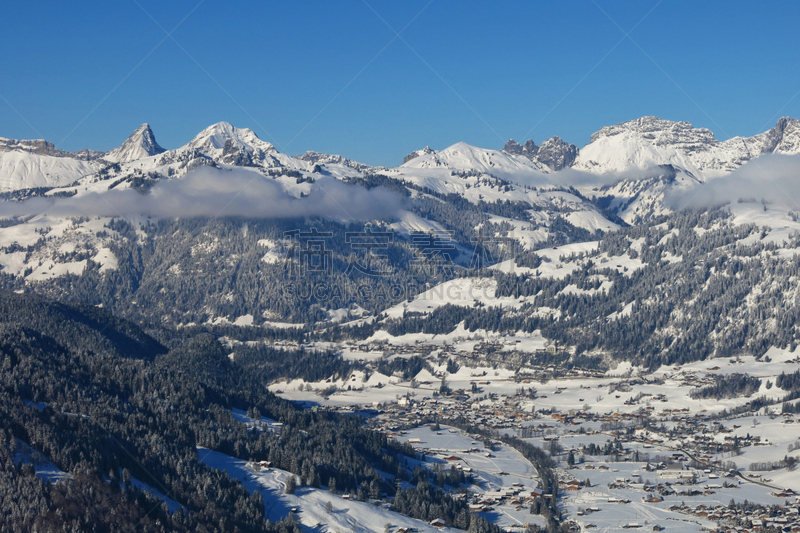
point(529, 149)
point(556, 154)
point(659, 131)
point(141, 143)
point(328, 159)
point(553, 154)
point(417, 153)
point(784, 138)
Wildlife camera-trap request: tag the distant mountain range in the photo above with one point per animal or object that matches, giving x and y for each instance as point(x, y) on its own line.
point(201, 262)
point(643, 143)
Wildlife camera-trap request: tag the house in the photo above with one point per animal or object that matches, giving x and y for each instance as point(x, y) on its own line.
point(437, 522)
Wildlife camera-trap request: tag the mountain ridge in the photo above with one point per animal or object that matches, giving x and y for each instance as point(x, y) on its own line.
point(640, 143)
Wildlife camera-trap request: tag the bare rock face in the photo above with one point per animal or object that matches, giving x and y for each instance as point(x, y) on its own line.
point(33, 146)
point(557, 154)
point(784, 138)
point(529, 149)
point(554, 153)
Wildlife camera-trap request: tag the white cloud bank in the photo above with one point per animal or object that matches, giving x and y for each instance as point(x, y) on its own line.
point(220, 193)
point(772, 178)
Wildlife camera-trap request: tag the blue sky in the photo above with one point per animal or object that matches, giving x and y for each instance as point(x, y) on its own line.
point(334, 77)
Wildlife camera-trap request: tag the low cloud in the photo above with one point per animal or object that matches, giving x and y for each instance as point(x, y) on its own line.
point(220, 193)
point(772, 178)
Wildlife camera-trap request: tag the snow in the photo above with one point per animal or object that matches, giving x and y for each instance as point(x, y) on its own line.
point(24, 170)
point(106, 258)
point(244, 320)
point(591, 220)
point(212, 139)
point(311, 503)
point(494, 474)
point(139, 145)
point(466, 157)
point(625, 311)
point(172, 505)
point(265, 423)
point(46, 470)
point(647, 142)
point(409, 223)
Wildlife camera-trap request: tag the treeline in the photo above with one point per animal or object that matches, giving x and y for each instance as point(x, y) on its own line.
point(441, 320)
point(109, 399)
point(428, 502)
point(274, 363)
point(407, 367)
point(789, 382)
point(728, 386)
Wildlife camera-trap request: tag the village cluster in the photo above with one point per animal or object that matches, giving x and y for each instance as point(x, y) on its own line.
point(633, 451)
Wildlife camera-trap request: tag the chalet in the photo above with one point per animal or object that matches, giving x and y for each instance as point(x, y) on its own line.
point(437, 522)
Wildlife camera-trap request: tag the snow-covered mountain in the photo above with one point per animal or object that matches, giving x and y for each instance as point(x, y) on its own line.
point(637, 163)
point(636, 145)
point(28, 164)
point(649, 142)
point(142, 143)
point(331, 159)
point(462, 156)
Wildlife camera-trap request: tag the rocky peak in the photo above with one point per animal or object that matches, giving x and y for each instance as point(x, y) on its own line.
point(331, 159)
point(529, 149)
point(660, 132)
point(416, 153)
point(783, 138)
point(557, 154)
point(33, 146)
point(141, 143)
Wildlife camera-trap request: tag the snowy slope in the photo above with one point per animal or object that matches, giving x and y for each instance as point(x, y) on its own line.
point(462, 156)
point(650, 141)
point(310, 503)
point(25, 170)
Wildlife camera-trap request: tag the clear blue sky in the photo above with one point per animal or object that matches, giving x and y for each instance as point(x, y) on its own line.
point(328, 76)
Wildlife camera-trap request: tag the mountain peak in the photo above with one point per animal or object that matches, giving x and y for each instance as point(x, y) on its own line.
point(784, 138)
point(141, 143)
point(529, 149)
point(658, 131)
point(557, 154)
point(213, 139)
point(416, 153)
